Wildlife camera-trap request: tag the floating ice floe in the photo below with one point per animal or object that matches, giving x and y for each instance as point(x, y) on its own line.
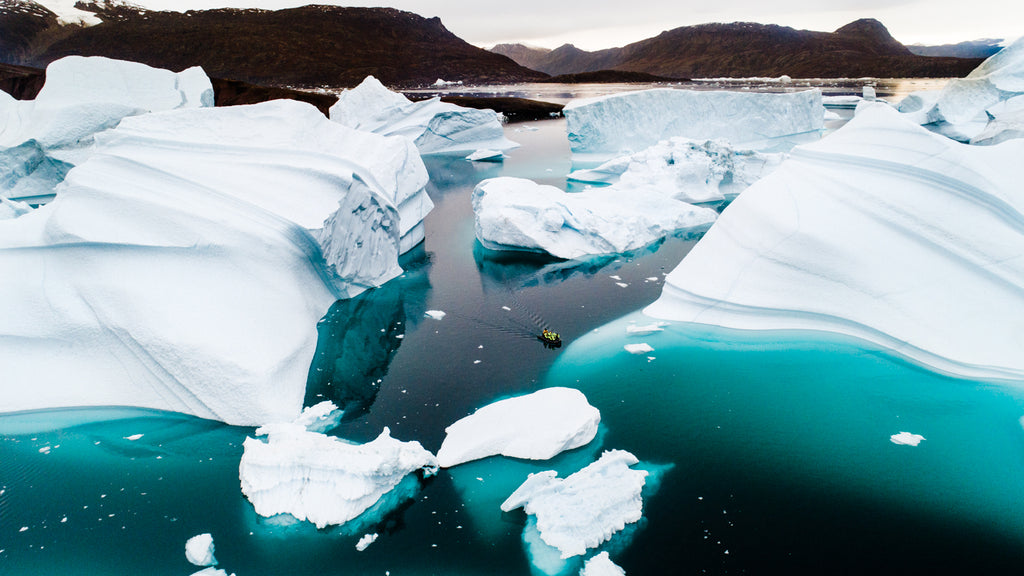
point(959, 109)
point(639, 349)
point(486, 156)
point(323, 479)
point(601, 565)
point(435, 127)
point(519, 214)
point(365, 541)
point(184, 266)
point(435, 314)
point(211, 571)
point(632, 121)
point(644, 330)
point(536, 426)
point(685, 170)
point(199, 550)
point(906, 439)
point(586, 508)
point(41, 139)
point(882, 231)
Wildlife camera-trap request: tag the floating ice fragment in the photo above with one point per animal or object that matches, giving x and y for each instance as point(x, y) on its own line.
point(601, 565)
point(133, 437)
point(634, 330)
point(435, 314)
point(622, 284)
point(486, 156)
point(638, 349)
point(906, 439)
point(615, 277)
point(365, 541)
point(320, 417)
point(199, 550)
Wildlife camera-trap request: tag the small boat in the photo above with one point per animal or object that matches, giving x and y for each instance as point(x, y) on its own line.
point(550, 339)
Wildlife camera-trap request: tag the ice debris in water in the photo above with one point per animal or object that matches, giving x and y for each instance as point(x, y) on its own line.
point(365, 541)
point(535, 426)
point(644, 330)
point(435, 127)
point(323, 479)
point(435, 314)
point(601, 565)
point(906, 439)
point(638, 349)
point(486, 156)
point(199, 550)
point(587, 507)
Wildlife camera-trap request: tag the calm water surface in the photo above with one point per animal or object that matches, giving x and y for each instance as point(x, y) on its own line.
point(772, 452)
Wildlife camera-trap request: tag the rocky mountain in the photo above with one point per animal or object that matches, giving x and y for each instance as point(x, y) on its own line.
point(308, 46)
point(971, 49)
point(742, 49)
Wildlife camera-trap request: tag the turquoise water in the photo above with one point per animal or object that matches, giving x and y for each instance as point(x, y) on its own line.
point(773, 450)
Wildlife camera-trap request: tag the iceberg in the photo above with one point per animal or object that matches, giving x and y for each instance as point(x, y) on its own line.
point(906, 439)
point(882, 231)
point(82, 96)
point(435, 127)
point(199, 550)
point(601, 565)
point(323, 479)
point(686, 170)
point(184, 266)
point(536, 426)
point(959, 110)
point(518, 214)
point(628, 122)
point(1005, 122)
point(586, 508)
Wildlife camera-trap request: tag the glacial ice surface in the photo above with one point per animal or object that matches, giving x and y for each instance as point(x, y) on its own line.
point(685, 170)
point(1005, 122)
point(586, 508)
point(518, 214)
point(628, 122)
point(435, 127)
point(323, 479)
point(184, 266)
point(535, 426)
point(882, 231)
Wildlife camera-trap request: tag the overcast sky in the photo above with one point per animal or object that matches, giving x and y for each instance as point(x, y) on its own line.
point(596, 24)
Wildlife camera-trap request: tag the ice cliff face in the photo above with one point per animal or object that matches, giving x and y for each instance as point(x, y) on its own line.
point(536, 426)
point(629, 122)
point(184, 266)
point(518, 214)
point(883, 231)
point(324, 479)
point(435, 127)
point(40, 140)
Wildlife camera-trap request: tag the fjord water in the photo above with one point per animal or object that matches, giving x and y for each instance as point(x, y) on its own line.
point(779, 443)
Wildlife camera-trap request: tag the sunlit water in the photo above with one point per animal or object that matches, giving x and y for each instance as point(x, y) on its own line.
point(773, 450)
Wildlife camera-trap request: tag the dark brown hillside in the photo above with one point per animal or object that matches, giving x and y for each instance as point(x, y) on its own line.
point(21, 22)
point(308, 46)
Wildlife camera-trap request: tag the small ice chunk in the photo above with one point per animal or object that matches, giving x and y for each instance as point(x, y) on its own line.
point(486, 155)
point(435, 314)
point(638, 349)
point(320, 417)
point(586, 508)
point(622, 284)
point(536, 426)
point(365, 541)
point(906, 439)
point(601, 565)
point(133, 437)
point(199, 550)
point(634, 330)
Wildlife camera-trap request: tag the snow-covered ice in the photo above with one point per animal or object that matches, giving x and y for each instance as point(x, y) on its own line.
point(628, 122)
point(685, 170)
point(587, 507)
point(882, 231)
point(435, 127)
point(518, 214)
point(365, 541)
point(324, 479)
point(535, 426)
point(1005, 122)
point(184, 266)
point(959, 109)
point(435, 314)
point(601, 565)
point(639, 349)
point(906, 439)
point(486, 156)
point(42, 138)
point(199, 550)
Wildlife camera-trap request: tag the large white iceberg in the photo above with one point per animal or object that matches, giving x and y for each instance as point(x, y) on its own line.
point(42, 138)
point(536, 426)
point(959, 109)
point(185, 265)
point(518, 214)
point(882, 231)
point(323, 479)
point(628, 122)
point(587, 507)
point(435, 127)
point(687, 170)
